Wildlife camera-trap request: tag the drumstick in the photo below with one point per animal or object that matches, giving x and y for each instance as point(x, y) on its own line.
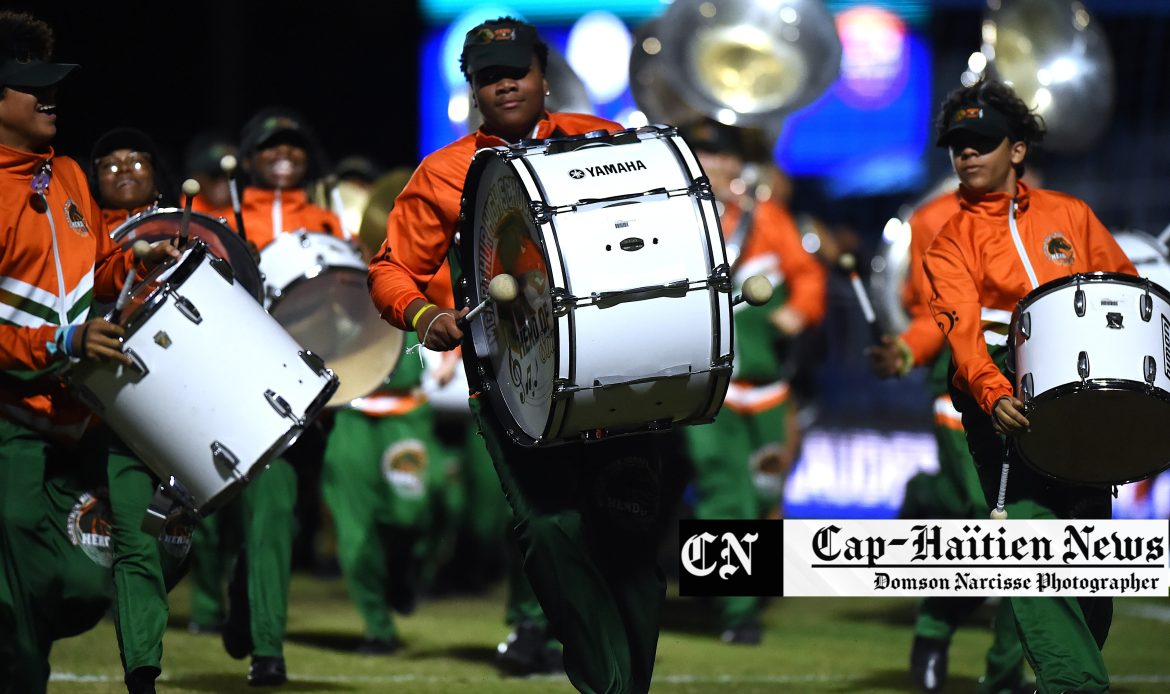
point(757, 290)
point(228, 164)
point(190, 189)
point(501, 290)
point(999, 512)
point(849, 264)
point(140, 248)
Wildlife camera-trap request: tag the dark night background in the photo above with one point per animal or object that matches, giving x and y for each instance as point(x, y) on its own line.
point(174, 69)
point(352, 68)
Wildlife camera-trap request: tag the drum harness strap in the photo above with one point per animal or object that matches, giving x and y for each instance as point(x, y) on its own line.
point(998, 512)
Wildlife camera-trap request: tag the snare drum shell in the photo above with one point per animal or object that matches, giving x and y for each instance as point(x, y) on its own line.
point(1096, 409)
point(209, 385)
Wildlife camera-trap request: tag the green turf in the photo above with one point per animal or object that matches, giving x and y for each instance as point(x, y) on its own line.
point(811, 645)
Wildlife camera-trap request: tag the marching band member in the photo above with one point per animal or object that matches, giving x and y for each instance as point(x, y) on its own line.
point(383, 479)
point(1007, 239)
point(202, 161)
point(587, 545)
point(278, 154)
point(955, 491)
point(740, 459)
point(54, 249)
point(128, 176)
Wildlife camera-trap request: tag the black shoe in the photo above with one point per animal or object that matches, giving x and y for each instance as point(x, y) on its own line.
point(749, 634)
point(928, 663)
point(526, 651)
point(237, 628)
point(141, 680)
point(267, 671)
point(378, 646)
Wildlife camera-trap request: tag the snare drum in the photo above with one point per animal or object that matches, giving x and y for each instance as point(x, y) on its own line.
point(217, 388)
point(1092, 365)
point(315, 286)
point(164, 223)
point(623, 320)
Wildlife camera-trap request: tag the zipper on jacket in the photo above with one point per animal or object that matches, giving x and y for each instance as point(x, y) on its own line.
point(1020, 245)
point(277, 216)
point(41, 187)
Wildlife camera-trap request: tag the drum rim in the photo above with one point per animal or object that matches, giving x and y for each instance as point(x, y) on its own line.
point(1097, 385)
point(1093, 278)
point(134, 221)
point(481, 374)
point(270, 303)
point(184, 267)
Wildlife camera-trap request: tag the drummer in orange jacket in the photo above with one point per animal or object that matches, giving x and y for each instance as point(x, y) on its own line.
point(279, 157)
point(603, 604)
point(279, 154)
point(128, 176)
point(1007, 240)
point(55, 258)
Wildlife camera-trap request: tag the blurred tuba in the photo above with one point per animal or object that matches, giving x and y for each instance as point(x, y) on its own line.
point(745, 63)
point(1056, 57)
point(891, 263)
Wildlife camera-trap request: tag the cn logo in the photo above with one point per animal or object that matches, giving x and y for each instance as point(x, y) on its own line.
point(695, 559)
point(725, 557)
point(576, 174)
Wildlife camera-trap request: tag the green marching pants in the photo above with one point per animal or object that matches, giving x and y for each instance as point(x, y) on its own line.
point(260, 521)
point(1062, 637)
point(382, 479)
point(956, 492)
point(487, 517)
point(70, 544)
point(585, 520)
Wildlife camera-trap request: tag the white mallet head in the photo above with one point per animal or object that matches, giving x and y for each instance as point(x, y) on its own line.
point(141, 247)
point(190, 187)
point(847, 262)
point(998, 514)
point(228, 164)
point(757, 290)
point(503, 289)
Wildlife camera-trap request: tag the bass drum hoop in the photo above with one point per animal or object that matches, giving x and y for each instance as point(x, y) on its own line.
point(248, 276)
point(481, 375)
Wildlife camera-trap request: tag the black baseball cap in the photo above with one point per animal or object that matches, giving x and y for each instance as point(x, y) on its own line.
point(268, 125)
point(507, 43)
point(32, 73)
point(979, 119)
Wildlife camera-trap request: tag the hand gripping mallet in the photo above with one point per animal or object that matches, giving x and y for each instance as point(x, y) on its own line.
point(140, 248)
